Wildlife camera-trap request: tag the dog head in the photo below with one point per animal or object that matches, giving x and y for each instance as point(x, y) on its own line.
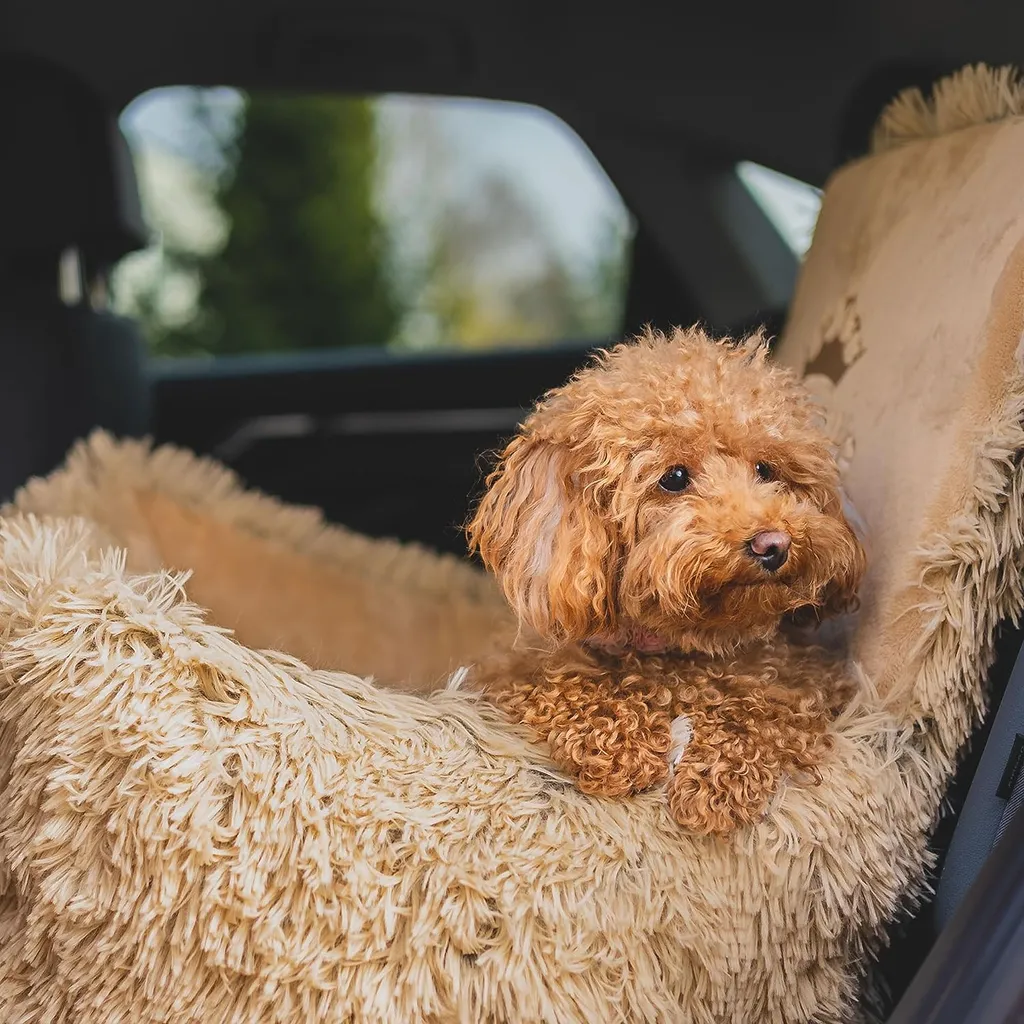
point(678, 492)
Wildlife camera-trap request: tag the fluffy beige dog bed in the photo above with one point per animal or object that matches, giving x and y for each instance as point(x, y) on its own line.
point(194, 831)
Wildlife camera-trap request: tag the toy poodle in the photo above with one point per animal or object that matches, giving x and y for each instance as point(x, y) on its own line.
point(654, 525)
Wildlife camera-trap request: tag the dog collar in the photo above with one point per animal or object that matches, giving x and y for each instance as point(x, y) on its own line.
point(631, 638)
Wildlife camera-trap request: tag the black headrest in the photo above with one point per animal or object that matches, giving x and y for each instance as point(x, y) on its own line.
point(66, 177)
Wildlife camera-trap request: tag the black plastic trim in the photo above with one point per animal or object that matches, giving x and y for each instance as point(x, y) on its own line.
point(975, 972)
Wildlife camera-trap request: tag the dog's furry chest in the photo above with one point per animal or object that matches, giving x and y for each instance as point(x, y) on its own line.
point(760, 677)
point(721, 731)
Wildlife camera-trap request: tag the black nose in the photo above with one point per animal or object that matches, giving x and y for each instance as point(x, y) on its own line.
point(770, 549)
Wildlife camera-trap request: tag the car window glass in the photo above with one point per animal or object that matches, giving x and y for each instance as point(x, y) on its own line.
point(287, 222)
point(791, 205)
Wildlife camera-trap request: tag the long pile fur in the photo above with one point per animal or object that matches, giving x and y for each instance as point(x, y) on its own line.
point(976, 94)
point(192, 831)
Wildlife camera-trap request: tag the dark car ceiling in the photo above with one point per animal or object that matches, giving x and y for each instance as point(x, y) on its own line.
point(767, 81)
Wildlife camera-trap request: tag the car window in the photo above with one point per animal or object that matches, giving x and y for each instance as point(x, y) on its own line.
point(790, 204)
point(287, 222)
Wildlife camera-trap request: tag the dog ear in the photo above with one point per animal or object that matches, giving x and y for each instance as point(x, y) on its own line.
point(840, 595)
point(547, 542)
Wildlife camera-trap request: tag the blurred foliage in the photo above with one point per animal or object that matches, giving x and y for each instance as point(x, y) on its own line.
point(311, 256)
point(493, 276)
point(303, 264)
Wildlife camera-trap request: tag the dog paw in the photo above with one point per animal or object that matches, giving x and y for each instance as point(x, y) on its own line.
point(612, 762)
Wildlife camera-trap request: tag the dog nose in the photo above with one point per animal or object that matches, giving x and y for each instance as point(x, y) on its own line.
point(770, 548)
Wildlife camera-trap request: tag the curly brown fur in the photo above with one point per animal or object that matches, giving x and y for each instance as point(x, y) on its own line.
point(648, 604)
point(755, 718)
point(754, 721)
point(608, 724)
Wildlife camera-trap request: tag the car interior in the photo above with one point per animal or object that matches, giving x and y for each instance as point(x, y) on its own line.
point(668, 104)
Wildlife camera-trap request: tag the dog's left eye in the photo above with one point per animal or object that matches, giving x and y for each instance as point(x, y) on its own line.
point(765, 472)
point(675, 480)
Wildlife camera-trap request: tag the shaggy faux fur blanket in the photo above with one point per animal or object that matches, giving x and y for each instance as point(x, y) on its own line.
point(193, 830)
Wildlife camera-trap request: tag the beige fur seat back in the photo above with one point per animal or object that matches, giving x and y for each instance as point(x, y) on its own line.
point(194, 831)
point(908, 322)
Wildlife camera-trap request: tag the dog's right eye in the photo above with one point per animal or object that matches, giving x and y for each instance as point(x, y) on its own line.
point(675, 480)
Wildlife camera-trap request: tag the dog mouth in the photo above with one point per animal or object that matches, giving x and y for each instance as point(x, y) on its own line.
point(779, 594)
point(764, 582)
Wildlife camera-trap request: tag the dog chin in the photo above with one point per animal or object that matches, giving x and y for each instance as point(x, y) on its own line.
point(735, 615)
point(747, 593)
point(719, 639)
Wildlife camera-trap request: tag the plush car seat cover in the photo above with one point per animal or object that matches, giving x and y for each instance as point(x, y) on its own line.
point(192, 830)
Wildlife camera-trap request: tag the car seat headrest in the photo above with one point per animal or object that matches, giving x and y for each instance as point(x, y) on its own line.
point(67, 177)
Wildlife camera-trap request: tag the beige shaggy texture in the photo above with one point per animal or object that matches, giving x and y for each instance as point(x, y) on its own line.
point(192, 831)
point(274, 575)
